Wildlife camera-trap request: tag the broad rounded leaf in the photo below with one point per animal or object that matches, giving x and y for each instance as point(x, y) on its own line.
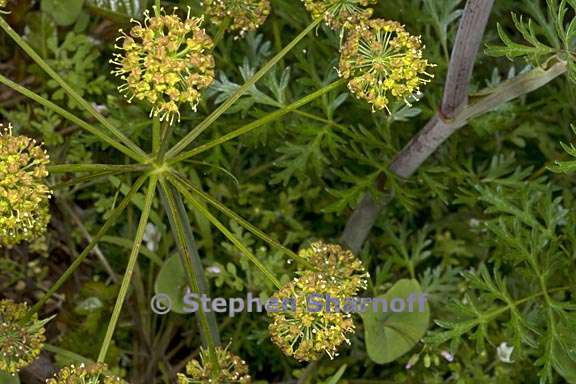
point(389, 334)
point(171, 281)
point(64, 12)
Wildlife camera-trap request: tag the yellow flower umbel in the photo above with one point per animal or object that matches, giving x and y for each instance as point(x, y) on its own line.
point(24, 213)
point(383, 62)
point(165, 62)
point(84, 374)
point(338, 265)
point(301, 329)
point(21, 336)
point(242, 15)
point(340, 13)
point(3, 3)
point(232, 369)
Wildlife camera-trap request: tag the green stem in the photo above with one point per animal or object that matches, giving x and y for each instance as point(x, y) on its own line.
point(229, 235)
point(167, 132)
point(179, 179)
point(77, 181)
point(80, 259)
point(72, 118)
point(130, 268)
point(182, 144)
point(193, 267)
point(72, 168)
point(73, 94)
point(156, 125)
point(258, 123)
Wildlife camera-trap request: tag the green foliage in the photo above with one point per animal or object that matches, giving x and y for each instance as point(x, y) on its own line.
point(64, 12)
point(483, 228)
point(549, 34)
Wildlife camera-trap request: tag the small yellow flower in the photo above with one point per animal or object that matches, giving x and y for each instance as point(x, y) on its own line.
point(340, 13)
point(3, 3)
point(24, 197)
point(383, 62)
point(303, 330)
point(85, 374)
point(232, 369)
point(165, 62)
point(21, 337)
point(338, 265)
point(243, 15)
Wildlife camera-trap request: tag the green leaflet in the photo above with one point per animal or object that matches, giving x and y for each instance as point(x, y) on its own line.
point(390, 335)
point(171, 281)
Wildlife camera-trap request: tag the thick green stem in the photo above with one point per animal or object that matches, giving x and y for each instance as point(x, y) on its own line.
point(167, 132)
point(258, 123)
point(176, 178)
point(80, 259)
point(72, 118)
point(229, 235)
point(66, 87)
point(193, 267)
point(182, 144)
point(130, 268)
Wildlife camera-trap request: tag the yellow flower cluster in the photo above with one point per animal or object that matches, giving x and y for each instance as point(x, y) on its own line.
point(3, 3)
point(84, 374)
point(307, 326)
point(232, 369)
point(165, 62)
point(243, 15)
point(24, 212)
point(21, 337)
point(303, 332)
point(382, 62)
point(339, 265)
point(340, 13)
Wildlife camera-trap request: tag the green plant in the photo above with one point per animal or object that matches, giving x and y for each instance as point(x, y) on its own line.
point(145, 179)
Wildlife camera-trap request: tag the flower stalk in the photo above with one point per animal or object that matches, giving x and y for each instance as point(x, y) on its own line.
point(208, 121)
